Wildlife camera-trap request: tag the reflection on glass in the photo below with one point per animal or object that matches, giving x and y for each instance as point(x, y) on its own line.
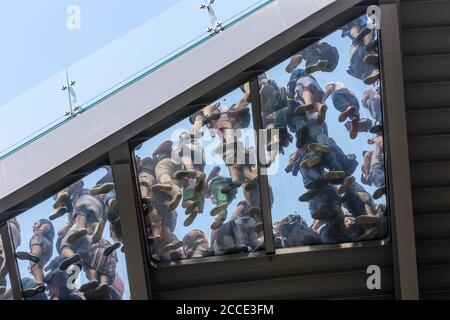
point(5, 285)
point(71, 244)
point(204, 169)
point(311, 105)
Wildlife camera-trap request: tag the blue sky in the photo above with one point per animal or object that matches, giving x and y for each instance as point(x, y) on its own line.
point(117, 41)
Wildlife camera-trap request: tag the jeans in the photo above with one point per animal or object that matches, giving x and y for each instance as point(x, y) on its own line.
point(374, 106)
point(358, 68)
point(343, 98)
point(321, 51)
point(377, 175)
point(323, 206)
point(310, 174)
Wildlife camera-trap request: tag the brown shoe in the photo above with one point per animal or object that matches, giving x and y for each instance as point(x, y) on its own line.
point(373, 77)
point(157, 188)
point(98, 233)
point(176, 198)
point(367, 219)
point(318, 66)
point(102, 189)
point(190, 219)
point(217, 223)
point(61, 200)
point(215, 211)
point(294, 63)
point(347, 113)
point(186, 174)
point(347, 184)
point(379, 193)
point(174, 245)
point(77, 235)
point(200, 182)
point(57, 213)
point(354, 128)
point(335, 175)
point(311, 162)
point(239, 112)
point(304, 108)
point(194, 206)
point(308, 195)
point(322, 113)
point(318, 147)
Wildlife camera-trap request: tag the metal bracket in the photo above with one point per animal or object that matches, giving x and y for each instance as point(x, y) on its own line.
point(216, 26)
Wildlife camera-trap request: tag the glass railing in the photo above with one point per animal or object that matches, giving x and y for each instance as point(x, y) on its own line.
point(114, 67)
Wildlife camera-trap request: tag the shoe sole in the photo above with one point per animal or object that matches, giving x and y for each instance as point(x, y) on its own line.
point(27, 256)
point(347, 113)
point(307, 164)
point(108, 251)
point(319, 66)
point(59, 213)
point(190, 219)
point(61, 200)
point(361, 220)
point(215, 211)
point(315, 147)
point(161, 188)
point(322, 114)
point(75, 236)
point(294, 63)
point(103, 189)
point(98, 233)
point(303, 109)
point(175, 202)
point(372, 79)
point(68, 262)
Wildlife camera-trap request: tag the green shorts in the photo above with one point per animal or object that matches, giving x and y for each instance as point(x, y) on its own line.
point(189, 194)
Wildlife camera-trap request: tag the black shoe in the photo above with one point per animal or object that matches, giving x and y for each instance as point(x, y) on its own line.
point(57, 213)
point(91, 285)
point(31, 292)
point(69, 261)
point(22, 255)
point(99, 293)
point(108, 251)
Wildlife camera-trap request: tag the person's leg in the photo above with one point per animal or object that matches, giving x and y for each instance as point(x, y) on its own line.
point(36, 268)
point(163, 171)
point(353, 203)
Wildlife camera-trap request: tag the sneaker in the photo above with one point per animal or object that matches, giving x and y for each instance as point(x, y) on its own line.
point(200, 182)
point(57, 213)
point(217, 223)
point(91, 285)
point(347, 184)
point(335, 175)
point(316, 184)
point(161, 188)
point(251, 184)
point(22, 255)
point(61, 200)
point(33, 291)
point(322, 113)
point(98, 232)
point(239, 112)
point(347, 113)
point(373, 77)
point(367, 219)
point(76, 235)
point(255, 211)
point(192, 207)
point(174, 245)
point(318, 66)
point(102, 189)
point(376, 129)
point(215, 211)
point(212, 117)
point(67, 262)
point(259, 227)
point(318, 147)
point(190, 219)
point(304, 108)
point(379, 193)
point(176, 198)
point(370, 234)
point(371, 58)
point(354, 129)
point(185, 174)
point(108, 251)
point(294, 63)
point(311, 162)
point(308, 196)
point(98, 293)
